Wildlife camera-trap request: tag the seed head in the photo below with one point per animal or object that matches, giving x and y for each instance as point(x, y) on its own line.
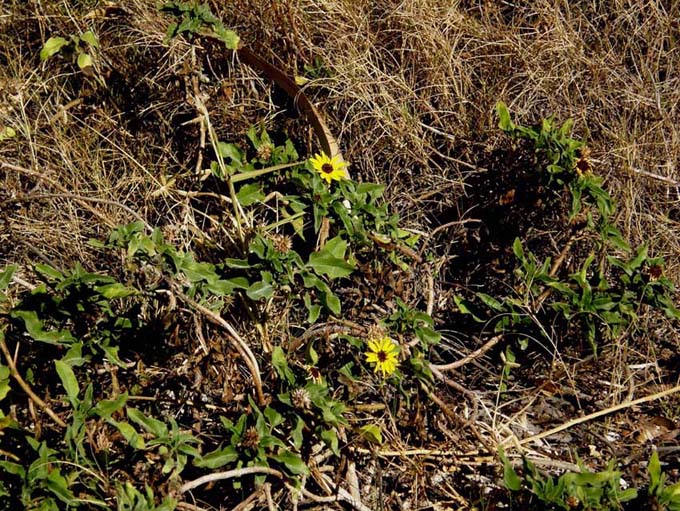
point(301, 399)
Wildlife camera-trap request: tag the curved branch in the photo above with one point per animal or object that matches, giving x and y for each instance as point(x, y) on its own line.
point(22, 383)
point(240, 345)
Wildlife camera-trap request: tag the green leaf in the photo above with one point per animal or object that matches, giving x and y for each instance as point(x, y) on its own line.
point(292, 462)
point(260, 290)
point(154, 426)
point(518, 250)
point(296, 434)
point(218, 458)
point(58, 485)
point(510, 477)
point(337, 247)
point(106, 407)
point(654, 470)
point(372, 433)
point(313, 309)
point(281, 365)
point(467, 307)
point(273, 417)
point(90, 39)
point(49, 272)
point(6, 133)
point(111, 353)
point(52, 46)
point(6, 276)
point(13, 468)
point(35, 329)
point(311, 355)
point(325, 263)
point(250, 194)
point(68, 380)
point(133, 438)
point(330, 437)
point(241, 264)
point(4, 384)
point(333, 303)
point(229, 37)
point(116, 290)
point(84, 60)
point(231, 151)
point(428, 336)
point(227, 287)
point(491, 302)
point(504, 121)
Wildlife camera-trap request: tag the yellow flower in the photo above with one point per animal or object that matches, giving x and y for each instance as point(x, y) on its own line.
point(331, 169)
point(383, 353)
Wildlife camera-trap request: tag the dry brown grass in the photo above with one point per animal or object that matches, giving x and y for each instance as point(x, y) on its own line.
point(409, 93)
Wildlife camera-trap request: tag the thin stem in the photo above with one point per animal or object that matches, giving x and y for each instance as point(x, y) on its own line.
point(239, 214)
point(22, 383)
point(596, 415)
point(468, 358)
point(229, 474)
point(240, 345)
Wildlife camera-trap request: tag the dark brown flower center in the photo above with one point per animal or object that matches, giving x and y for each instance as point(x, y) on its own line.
point(327, 168)
point(382, 356)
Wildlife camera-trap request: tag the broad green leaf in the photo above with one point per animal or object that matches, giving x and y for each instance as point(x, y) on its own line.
point(372, 433)
point(106, 407)
point(504, 121)
point(49, 271)
point(116, 290)
point(337, 247)
point(229, 37)
point(518, 250)
point(281, 365)
point(273, 417)
point(52, 46)
point(197, 271)
point(90, 39)
point(4, 390)
point(13, 468)
point(84, 60)
point(510, 477)
point(130, 434)
point(58, 485)
point(74, 355)
point(491, 302)
point(6, 133)
point(218, 458)
point(6, 276)
point(35, 329)
point(241, 264)
point(231, 151)
point(111, 353)
point(327, 264)
point(250, 194)
point(227, 287)
point(296, 434)
point(467, 307)
point(154, 426)
point(292, 462)
point(330, 437)
point(68, 380)
point(314, 310)
point(311, 355)
point(654, 471)
point(333, 303)
point(428, 336)
point(260, 290)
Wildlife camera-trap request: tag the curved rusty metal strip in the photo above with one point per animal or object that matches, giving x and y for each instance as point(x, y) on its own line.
point(302, 102)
